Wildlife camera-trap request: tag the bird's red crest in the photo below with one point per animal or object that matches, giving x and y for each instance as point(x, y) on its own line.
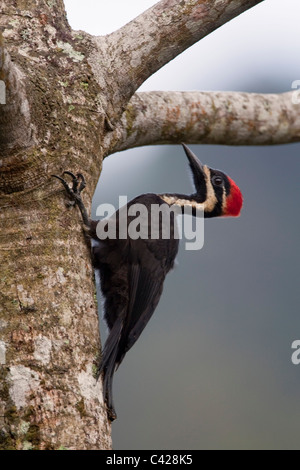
point(234, 200)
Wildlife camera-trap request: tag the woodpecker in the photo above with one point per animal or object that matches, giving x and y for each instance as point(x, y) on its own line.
point(132, 271)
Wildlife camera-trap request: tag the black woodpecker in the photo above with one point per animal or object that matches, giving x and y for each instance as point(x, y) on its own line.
point(132, 270)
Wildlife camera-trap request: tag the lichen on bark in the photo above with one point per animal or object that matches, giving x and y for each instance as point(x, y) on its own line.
point(49, 319)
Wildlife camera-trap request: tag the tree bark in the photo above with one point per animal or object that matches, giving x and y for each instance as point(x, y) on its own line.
point(15, 122)
point(228, 118)
point(67, 106)
point(49, 398)
point(143, 46)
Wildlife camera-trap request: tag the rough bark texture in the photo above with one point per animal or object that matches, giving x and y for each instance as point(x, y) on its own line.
point(66, 93)
point(144, 45)
point(207, 118)
point(49, 398)
point(15, 127)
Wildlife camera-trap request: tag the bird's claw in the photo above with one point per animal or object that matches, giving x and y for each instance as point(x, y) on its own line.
point(78, 181)
point(74, 191)
point(78, 185)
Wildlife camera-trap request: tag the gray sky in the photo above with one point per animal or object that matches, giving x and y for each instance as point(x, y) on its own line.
point(213, 369)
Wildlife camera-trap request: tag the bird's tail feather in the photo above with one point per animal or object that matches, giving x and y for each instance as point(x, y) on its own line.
point(108, 365)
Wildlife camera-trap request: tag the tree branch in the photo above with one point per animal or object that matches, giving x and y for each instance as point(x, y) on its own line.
point(229, 118)
point(155, 37)
point(15, 122)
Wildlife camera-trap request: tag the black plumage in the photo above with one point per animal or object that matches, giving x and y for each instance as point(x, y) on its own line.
point(132, 271)
point(131, 274)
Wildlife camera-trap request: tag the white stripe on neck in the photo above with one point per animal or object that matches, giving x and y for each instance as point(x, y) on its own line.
point(208, 205)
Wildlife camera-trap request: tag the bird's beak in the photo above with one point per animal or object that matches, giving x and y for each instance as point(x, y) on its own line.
point(197, 169)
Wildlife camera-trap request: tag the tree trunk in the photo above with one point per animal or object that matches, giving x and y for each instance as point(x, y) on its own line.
point(69, 103)
point(49, 398)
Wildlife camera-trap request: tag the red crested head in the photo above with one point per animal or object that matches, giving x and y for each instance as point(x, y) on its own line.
point(216, 193)
point(234, 200)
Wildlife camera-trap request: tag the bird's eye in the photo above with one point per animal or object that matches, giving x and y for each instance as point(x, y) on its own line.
point(217, 180)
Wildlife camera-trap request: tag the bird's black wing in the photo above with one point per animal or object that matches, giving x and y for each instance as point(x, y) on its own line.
point(132, 273)
point(131, 299)
point(146, 275)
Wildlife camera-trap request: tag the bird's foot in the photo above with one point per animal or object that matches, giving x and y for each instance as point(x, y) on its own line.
point(78, 185)
point(74, 191)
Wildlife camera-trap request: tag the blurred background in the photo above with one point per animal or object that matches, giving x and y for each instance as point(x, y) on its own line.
point(213, 368)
